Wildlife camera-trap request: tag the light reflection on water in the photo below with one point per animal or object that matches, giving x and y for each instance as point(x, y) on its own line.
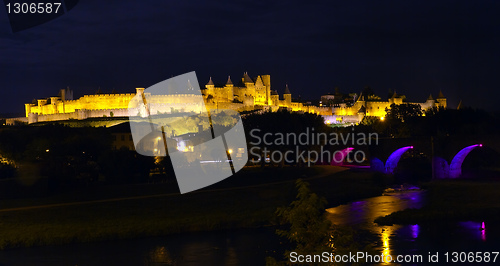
point(386, 250)
point(475, 230)
point(159, 255)
point(362, 213)
point(239, 247)
point(251, 247)
point(366, 211)
point(412, 239)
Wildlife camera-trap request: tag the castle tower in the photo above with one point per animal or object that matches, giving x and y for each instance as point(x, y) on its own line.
point(441, 100)
point(63, 95)
point(139, 91)
point(32, 118)
point(27, 107)
point(287, 96)
point(42, 102)
point(66, 94)
point(266, 79)
point(53, 100)
point(391, 99)
point(395, 99)
point(260, 92)
point(249, 85)
point(210, 87)
point(430, 101)
point(275, 98)
point(246, 79)
point(53, 105)
point(230, 89)
point(360, 102)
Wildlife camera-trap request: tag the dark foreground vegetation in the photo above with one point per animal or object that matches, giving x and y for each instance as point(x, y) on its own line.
point(233, 203)
point(306, 230)
point(72, 185)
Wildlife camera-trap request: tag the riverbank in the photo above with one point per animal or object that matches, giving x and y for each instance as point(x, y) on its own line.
point(248, 199)
point(453, 200)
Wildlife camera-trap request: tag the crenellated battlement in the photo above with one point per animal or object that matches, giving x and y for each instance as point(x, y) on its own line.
point(116, 95)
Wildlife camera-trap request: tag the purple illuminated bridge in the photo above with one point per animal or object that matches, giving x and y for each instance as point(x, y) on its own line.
point(442, 170)
point(339, 156)
point(456, 163)
point(393, 160)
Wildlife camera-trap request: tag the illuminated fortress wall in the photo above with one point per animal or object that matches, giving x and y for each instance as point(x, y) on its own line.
point(247, 95)
point(256, 93)
point(108, 105)
point(362, 107)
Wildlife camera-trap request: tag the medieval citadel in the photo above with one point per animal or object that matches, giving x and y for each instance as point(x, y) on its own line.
point(247, 95)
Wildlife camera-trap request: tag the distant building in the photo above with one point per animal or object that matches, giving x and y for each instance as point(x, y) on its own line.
point(121, 137)
point(372, 106)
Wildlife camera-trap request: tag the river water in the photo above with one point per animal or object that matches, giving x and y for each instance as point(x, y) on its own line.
point(241, 247)
point(252, 246)
point(415, 239)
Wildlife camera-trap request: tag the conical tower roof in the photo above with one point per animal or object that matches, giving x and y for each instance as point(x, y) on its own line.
point(210, 82)
point(440, 95)
point(430, 98)
point(362, 109)
point(460, 105)
point(259, 81)
point(361, 97)
point(395, 95)
point(246, 78)
point(229, 82)
point(287, 91)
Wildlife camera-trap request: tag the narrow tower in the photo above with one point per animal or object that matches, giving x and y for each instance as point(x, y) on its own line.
point(287, 96)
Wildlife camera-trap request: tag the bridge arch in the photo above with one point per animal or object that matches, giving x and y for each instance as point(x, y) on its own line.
point(339, 156)
point(393, 159)
point(456, 163)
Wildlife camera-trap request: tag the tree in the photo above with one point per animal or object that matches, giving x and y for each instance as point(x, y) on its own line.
point(7, 170)
point(309, 231)
point(403, 112)
point(283, 123)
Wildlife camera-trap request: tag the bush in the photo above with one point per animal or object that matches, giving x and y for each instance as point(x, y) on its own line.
point(7, 171)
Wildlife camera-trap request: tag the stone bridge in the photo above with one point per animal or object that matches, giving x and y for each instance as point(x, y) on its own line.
point(446, 153)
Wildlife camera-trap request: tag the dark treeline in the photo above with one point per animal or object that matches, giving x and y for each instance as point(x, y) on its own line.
point(68, 156)
point(401, 121)
point(408, 120)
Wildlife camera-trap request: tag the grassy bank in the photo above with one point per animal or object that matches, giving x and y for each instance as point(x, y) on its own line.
point(235, 203)
point(453, 200)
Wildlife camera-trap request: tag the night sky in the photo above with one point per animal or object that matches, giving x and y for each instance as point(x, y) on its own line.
point(412, 47)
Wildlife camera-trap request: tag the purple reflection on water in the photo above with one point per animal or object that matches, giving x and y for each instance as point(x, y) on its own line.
point(483, 232)
point(414, 230)
point(476, 230)
point(366, 211)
